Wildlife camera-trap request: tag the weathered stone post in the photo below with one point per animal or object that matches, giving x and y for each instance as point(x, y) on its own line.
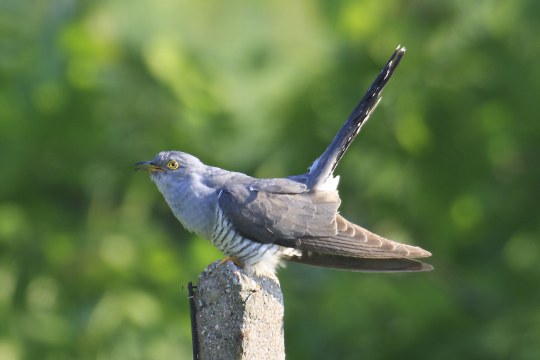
point(238, 315)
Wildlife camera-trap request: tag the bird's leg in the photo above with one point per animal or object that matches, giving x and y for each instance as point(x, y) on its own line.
point(235, 260)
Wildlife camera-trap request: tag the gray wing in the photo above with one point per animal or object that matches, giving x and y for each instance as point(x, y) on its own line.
point(284, 215)
point(304, 220)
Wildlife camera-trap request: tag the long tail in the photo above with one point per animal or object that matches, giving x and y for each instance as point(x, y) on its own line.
point(360, 264)
point(324, 166)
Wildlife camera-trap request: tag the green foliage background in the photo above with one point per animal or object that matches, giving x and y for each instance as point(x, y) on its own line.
point(94, 266)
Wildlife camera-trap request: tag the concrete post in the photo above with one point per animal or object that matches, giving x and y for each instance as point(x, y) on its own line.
point(238, 315)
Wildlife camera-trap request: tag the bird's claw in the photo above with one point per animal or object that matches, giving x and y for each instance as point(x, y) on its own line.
point(233, 259)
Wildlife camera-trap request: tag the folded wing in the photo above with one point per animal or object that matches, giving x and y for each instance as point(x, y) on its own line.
point(309, 221)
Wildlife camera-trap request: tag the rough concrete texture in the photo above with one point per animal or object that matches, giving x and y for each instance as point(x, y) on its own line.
point(239, 315)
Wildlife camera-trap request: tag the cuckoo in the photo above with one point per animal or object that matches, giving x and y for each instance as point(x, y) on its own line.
point(259, 223)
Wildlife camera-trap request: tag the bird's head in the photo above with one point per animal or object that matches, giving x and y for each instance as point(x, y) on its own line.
point(180, 179)
point(170, 166)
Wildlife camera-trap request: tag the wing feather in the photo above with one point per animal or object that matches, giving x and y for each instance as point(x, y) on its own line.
point(307, 221)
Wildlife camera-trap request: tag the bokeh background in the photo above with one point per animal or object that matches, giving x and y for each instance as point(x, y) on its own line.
point(94, 266)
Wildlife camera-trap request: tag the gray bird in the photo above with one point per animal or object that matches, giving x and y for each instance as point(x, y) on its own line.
point(258, 223)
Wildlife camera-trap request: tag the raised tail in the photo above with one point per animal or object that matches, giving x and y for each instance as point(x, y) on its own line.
point(325, 165)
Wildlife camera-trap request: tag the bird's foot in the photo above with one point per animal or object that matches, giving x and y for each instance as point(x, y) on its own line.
point(234, 259)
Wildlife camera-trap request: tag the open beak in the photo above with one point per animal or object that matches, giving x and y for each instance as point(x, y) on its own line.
point(148, 166)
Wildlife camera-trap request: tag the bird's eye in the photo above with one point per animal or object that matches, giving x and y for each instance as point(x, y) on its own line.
point(173, 165)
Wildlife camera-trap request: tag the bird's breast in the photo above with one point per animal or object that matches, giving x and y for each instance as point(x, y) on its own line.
point(263, 257)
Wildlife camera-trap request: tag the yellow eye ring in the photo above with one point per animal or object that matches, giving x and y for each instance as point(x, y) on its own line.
point(173, 165)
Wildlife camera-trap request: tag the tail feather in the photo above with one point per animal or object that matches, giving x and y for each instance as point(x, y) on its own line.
point(325, 165)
